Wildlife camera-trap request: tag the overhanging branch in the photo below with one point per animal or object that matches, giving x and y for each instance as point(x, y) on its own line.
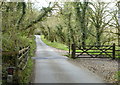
point(40, 17)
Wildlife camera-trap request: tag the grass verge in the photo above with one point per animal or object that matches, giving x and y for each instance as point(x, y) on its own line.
point(54, 44)
point(117, 76)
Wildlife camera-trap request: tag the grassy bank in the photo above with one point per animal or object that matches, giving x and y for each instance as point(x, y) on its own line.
point(117, 76)
point(25, 75)
point(54, 44)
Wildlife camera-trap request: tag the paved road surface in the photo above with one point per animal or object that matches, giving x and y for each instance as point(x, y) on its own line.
point(51, 67)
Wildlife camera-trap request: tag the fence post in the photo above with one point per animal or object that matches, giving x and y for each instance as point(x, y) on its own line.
point(17, 69)
point(73, 50)
point(113, 54)
point(69, 49)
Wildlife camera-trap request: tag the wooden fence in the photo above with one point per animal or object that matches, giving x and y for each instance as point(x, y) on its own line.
point(22, 58)
point(94, 51)
point(18, 60)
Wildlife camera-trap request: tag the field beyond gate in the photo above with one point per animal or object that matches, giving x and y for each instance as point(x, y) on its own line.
point(94, 51)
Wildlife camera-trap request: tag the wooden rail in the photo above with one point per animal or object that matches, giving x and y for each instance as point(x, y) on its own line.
point(18, 58)
point(22, 58)
point(94, 51)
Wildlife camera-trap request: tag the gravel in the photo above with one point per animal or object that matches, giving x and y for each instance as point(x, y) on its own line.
point(103, 67)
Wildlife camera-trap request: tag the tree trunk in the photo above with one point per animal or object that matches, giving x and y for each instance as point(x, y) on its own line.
point(98, 35)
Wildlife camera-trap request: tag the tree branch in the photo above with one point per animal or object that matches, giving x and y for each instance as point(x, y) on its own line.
point(23, 13)
point(40, 17)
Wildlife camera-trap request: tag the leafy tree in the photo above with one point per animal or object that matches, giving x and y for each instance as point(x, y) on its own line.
point(81, 18)
point(115, 22)
point(98, 17)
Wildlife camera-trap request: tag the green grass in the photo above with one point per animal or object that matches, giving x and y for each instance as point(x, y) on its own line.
point(117, 56)
point(117, 76)
point(54, 44)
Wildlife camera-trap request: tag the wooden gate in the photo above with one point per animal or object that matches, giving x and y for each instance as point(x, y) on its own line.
point(93, 51)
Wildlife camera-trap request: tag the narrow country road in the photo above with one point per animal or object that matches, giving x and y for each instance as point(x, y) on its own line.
point(51, 67)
